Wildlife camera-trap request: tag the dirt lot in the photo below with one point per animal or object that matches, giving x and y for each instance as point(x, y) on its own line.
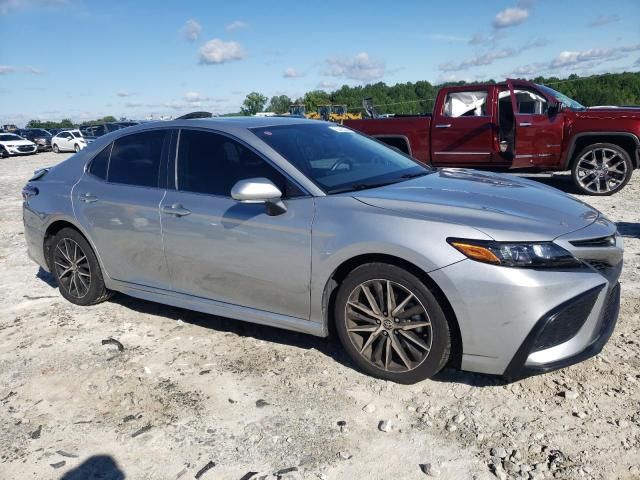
point(190, 389)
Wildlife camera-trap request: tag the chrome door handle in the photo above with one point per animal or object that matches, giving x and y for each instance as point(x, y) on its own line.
point(524, 124)
point(176, 209)
point(443, 125)
point(88, 198)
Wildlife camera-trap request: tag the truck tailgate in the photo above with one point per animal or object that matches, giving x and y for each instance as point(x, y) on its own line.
point(414, 130)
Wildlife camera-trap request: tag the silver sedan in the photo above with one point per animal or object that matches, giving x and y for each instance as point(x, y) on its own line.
point(310, 226)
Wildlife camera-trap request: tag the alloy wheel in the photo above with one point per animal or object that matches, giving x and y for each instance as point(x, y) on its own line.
point(601, 170)
point(388, 325)
point(72, 268)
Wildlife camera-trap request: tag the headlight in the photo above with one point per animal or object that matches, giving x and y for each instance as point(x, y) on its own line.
point(514, 254)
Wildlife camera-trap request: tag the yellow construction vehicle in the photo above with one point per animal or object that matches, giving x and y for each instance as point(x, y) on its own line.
point(339, 114)
point(297, 110)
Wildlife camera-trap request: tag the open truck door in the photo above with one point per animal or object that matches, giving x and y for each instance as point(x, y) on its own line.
point(539, 127)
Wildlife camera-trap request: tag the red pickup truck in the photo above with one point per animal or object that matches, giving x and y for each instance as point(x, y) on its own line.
point(516, 125)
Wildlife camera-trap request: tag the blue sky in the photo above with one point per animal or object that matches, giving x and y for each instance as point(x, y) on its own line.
point(83, 58)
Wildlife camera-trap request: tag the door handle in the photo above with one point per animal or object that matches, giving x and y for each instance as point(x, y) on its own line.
point(443, 125)
point(524, 124)
point(88, 198)
point(176, 209)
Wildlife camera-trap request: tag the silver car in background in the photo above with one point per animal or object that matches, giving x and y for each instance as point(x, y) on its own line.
point(310, 226)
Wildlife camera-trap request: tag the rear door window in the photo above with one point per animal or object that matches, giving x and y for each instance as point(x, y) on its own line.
point(135, 159)
point(465, 104)
point(100, 162)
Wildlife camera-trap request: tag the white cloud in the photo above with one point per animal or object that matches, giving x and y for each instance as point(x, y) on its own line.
point(123, 93)
point(510, 17)
point(191, 30)
point(15, 69)
point(217, 51)
point(133, 104)
point(7, 69)
point(604, 20)
point(444, 37)
point(573, 60)
point(326, 85)
point(235, 26)
point(361, 67)
point(490, 57)
point(193, 97)
point(291, 73)
point(8, 6)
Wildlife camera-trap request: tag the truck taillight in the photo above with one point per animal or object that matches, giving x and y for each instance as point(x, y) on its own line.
point(29, 191)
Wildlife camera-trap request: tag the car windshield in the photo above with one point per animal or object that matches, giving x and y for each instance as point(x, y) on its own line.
point(337, 159)
point(8, 136)
point(566, 101)
point(40, 132)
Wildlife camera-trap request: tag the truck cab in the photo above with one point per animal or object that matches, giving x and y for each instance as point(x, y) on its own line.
point(515, 125)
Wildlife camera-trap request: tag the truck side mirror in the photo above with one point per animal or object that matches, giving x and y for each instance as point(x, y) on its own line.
point(554, 109)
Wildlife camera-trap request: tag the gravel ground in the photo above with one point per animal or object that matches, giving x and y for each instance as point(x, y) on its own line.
point(198, 396)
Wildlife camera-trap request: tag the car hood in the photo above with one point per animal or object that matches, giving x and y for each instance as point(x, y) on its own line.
point(16, 142)
point(504, 207)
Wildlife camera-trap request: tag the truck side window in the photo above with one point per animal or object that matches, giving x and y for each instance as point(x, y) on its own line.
point(465, 104)
point(530, 102)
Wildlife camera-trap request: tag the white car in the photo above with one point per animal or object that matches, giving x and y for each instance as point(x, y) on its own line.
point(68, 141)
point(12, 144)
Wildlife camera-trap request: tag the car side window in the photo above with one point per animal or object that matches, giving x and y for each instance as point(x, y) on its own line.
point(212, 163)
point(98, 166)
point(465, 104)
point(135, 159)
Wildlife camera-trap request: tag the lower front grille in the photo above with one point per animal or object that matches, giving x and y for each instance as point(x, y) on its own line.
point(25, 148)
point(565, 322)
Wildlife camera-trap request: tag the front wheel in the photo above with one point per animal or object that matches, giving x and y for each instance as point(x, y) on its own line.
point(55, 148)
point(602, 169)
point(76, 148)
point(391, 324)
point(76, 269)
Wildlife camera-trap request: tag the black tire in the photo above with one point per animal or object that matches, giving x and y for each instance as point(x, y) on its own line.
point(620, 179)
point(62, 249)
point(3, 152)
point(439, 335)
point(76, 147)
point(55, 148)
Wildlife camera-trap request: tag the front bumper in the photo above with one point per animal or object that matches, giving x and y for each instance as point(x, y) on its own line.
point(518, 368)
point(502, 312)
point(21, 150)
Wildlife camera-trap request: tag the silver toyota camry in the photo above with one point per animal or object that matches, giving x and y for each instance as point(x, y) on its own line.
point(310, 226)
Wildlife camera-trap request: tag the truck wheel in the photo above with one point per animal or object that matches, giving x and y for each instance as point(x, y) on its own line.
point(601, 169)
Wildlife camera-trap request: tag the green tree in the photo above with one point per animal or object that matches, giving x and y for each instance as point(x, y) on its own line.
point(314, 98)
point(253, 103)
point(279, 104)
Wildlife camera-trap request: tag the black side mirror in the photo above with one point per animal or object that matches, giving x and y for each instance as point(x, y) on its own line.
point(554, 109)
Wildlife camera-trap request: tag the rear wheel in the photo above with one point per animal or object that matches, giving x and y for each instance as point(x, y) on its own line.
point(391, 324)
point(602, 169)
point(76, 269)
point(55, 148)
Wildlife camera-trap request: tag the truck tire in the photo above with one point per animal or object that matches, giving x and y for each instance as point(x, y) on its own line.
point(601, 169)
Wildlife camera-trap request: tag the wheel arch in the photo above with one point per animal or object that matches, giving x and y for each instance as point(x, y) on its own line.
point(58, 224)
point(347, 266)
point(625, 140)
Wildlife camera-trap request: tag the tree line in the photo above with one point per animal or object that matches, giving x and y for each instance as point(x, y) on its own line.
point(418, 97)
point(67, 123)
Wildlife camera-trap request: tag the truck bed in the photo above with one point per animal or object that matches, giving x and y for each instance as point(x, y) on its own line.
point(409, 134)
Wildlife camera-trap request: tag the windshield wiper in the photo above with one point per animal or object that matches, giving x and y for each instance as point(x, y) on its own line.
point(360, 186)
point(414, 175)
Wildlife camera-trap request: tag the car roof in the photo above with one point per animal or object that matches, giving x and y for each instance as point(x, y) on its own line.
point(246, 122)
